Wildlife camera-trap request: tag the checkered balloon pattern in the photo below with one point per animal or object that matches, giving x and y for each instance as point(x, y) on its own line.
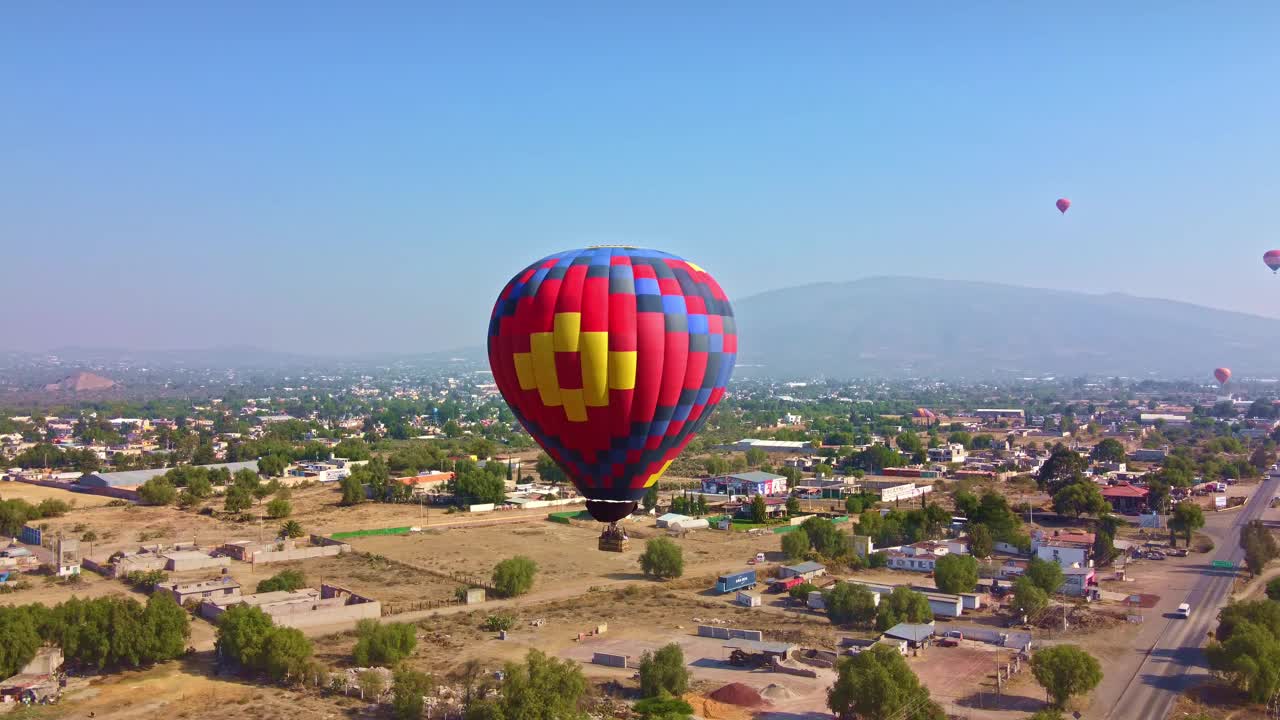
point(612, 358)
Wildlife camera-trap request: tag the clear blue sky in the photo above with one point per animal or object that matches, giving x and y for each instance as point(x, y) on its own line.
point(176, 177)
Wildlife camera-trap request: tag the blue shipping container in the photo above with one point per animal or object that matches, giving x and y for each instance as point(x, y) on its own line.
point(736, 581)
point(30, 535)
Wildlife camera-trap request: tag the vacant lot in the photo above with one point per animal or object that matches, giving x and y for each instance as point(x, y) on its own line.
point(35, 493)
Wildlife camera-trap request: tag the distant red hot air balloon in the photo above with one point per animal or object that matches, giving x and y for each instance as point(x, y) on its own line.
point(612, 358)
point(1272, 259)
point(1222, 375)
point(1063, 204)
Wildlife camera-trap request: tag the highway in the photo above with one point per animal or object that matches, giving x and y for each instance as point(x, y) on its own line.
point(1170, 658)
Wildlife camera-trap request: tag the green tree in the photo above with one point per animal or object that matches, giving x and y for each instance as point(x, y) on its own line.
point(955, 573)
point(279, 508)
point(352, 490)
point(1273, 589)
point(849, 604)
point(650, 500)
point(237, 499)
point(795, 544)
point(549, 471)
point(19, 639)
point(824, 538)
point(1078, 498)
point(514, 576)
point(1065, 670)
point(1028, 598)
point(165, 627)
point(1109, 450)
point(801, 592)
point(352, 449)
point(853, 505)
point(540, 688)
point(877, 684)
point(793, 506)
point(383, 643)
point(157, 491)
point(286, 654)
point(1187, 517)
point(371, 685)
point(662, 558)
point(407, 693)
point(292, 529)
point(272, 465)
point(1046, 574)
point(199, 486)
point(1063, 466)
point(756, 457)
point(759, 510)
point(288, 580)
point(903, 605)
point(663, 672)
point(981, 544)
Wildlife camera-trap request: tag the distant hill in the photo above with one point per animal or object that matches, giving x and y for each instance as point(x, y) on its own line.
point(903, 326)
point(81, 382)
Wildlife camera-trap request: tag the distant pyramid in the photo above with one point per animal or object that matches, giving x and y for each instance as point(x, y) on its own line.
point(81, 382)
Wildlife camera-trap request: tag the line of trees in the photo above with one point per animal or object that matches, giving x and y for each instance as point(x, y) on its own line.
point(18, 512)
point(101, 633)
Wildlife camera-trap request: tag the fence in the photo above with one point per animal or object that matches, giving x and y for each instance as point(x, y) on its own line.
point(713, 631)
point(374, 531)
point(462, 578)
point(404, 607)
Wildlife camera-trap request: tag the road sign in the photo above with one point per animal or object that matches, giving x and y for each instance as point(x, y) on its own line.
point(1223, 564)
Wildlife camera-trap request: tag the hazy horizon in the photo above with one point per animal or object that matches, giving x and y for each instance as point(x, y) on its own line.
point(213, 177)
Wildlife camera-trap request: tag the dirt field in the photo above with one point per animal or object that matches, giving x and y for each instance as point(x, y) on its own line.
point(35, 493)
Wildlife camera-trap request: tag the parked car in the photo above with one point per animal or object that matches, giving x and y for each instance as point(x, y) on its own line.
point(955, 634)
point(947, 642)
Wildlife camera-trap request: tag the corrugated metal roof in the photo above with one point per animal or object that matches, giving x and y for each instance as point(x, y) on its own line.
point(133, 478)
point(806, 567)
point(909, 631)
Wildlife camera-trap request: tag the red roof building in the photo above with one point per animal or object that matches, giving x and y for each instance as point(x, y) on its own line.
point(1126, 498)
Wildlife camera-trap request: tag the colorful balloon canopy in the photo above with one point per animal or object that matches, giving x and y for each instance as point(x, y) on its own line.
point(1272, 259)
point(1063, 204)
point(1222, 375)
point(612, 358)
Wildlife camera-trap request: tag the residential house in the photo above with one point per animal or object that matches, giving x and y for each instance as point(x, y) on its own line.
point(1126, 499)
point(920, 557)
point(947, 453)
point(1068, 549)
point(1078, 581)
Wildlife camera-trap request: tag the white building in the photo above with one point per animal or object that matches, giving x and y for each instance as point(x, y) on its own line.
point(948, 453)
point(920, 557)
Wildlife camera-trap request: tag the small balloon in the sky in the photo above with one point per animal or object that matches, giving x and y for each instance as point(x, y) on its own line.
point(1063, 204)
point(1272, 259)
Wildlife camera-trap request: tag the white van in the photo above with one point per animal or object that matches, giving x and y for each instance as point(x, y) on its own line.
point(1184, 610)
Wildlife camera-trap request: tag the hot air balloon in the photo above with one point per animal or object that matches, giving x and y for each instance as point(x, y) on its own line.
point(1272, 259)
point(1063, 204)
point(1223, 375)
point(612, 358)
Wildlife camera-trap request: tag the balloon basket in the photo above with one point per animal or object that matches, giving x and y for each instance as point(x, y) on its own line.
point(613, 544)
point(613, 539)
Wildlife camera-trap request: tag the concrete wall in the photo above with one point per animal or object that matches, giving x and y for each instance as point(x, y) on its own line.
point(140, 563)
point(618, 661)
point(185, 564)
point(324, 612)
point(722, 633)
point(274, 556)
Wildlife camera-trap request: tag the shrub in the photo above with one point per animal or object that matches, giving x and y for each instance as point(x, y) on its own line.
point(514, 576)
point(662, 558)
point(383, 644)
point(495, 623)
point(288, 580)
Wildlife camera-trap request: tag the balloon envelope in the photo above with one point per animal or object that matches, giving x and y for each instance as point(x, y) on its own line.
point(612, 358)
point(1223, 375)
point(1063, 204)
point(1272, 259)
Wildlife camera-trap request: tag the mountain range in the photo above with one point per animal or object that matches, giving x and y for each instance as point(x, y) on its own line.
point(906, 326)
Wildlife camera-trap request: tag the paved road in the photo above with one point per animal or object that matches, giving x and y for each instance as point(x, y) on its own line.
point(1174, 660)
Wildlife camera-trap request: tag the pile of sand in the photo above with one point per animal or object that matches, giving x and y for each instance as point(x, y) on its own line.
point(738, 694)
point(705, 707)
point(774, 692)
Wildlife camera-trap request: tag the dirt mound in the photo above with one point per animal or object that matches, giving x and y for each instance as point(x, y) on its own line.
point(705, 707)
point(776, 692)
point(1079, 619)
point(738, 694)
